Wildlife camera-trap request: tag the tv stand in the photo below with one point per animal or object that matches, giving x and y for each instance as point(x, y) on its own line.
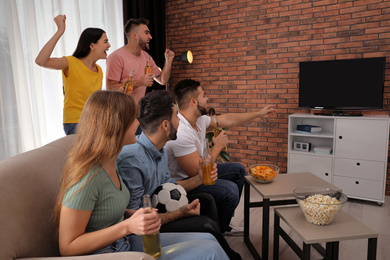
point(349, 152)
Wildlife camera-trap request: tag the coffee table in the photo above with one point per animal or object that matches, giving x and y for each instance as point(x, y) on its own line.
point(278, 192)
point(343, 227)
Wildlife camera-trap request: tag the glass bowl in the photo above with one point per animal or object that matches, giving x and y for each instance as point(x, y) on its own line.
point(263, 173)
point(319, 205)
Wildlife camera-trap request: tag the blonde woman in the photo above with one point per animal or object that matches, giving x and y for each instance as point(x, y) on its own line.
point(92, 201)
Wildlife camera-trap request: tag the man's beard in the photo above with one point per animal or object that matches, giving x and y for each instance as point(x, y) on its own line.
point(172, 131)
point(143, 45)
point(202, 110)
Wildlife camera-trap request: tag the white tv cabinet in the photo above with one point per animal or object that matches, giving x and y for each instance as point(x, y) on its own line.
point(358, 163)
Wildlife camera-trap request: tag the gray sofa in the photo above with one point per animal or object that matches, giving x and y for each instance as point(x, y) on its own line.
point(29, 183)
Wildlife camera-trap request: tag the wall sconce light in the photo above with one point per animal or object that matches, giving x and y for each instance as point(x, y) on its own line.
point(185, 57)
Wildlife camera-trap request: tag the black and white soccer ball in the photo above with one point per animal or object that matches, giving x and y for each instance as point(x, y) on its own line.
point(169, 197)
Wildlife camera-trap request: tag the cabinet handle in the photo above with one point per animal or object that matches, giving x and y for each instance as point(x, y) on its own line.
point(340, 137)
point(326, 174)
point(357, 182)
point(358, 164)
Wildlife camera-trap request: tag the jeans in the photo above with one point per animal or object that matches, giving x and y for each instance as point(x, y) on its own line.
point(180, 246)
point(226, 191)
point(207, 222)
point(70, 128)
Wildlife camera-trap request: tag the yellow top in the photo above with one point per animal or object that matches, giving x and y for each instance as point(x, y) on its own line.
point(78, 86)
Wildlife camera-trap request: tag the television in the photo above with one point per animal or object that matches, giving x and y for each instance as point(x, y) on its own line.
point(342, 85)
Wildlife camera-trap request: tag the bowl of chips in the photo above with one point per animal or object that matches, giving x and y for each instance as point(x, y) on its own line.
point(263, 173)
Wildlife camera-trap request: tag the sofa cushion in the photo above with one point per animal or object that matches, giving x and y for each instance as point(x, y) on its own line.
point(29, 184)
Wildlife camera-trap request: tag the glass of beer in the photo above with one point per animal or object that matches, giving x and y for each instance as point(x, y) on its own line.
point(207, 168)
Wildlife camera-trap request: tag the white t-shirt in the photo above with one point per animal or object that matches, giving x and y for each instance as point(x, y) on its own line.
point(188, 141)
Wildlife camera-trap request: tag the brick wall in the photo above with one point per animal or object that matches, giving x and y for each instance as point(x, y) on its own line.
point(246, 55)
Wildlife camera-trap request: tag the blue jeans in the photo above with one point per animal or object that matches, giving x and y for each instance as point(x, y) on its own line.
point(226, 191)
point(180, 246)
point(70, 128)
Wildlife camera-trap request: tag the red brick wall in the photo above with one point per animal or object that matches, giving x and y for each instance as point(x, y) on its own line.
point(246, 55)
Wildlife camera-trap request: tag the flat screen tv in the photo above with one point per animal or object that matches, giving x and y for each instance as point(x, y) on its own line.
point(339, 85)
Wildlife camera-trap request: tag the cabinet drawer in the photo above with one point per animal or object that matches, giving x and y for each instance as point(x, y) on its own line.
point(359, 169)
point(318, 165)
point(360, 188)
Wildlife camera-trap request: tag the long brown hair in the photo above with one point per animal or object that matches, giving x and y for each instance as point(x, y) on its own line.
point(100, 132)
point(87, 37)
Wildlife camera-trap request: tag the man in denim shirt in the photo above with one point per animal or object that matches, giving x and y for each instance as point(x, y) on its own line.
point(144, 166)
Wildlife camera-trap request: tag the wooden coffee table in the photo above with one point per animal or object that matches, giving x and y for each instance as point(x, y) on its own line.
point(343, 227)
point(278, 192)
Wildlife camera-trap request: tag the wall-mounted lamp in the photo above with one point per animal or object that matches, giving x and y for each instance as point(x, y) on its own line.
point(185, 57)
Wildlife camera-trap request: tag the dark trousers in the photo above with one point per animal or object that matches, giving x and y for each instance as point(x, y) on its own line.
point(206, 222)
point(70, 128)
point(226, 191)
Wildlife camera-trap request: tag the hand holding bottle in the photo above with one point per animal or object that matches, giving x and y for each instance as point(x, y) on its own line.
point(148, 72)
point(128, 86)
point(147, 79)
point(217, 130)
point(221, 141)
point(143, 224)
point(143, 80)
point(151, 243)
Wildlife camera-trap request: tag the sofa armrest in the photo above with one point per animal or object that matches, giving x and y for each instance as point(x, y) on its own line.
point(109, 256)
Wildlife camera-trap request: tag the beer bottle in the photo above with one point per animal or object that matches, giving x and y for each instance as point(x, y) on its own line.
point(148, 68)
point(128, 86)
point(151, 243)
point(217, 129)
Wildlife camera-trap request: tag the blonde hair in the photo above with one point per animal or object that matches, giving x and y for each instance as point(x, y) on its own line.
point(100, 132)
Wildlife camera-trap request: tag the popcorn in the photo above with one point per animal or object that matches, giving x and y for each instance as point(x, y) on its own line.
point(320, 209)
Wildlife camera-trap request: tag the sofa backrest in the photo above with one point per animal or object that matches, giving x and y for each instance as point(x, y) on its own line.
point(29, 184)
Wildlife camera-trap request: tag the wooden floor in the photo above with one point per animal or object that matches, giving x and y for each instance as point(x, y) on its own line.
point(370, 213)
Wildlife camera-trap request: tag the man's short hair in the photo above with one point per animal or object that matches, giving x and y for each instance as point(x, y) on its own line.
point(185, 90)
point(134, 22)
point(153, 109)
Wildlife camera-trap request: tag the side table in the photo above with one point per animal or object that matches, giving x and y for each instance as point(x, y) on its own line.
point(276, 193)
point(343, 227)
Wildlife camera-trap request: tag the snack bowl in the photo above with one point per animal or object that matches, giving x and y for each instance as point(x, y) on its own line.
point(319, 205)
point(263, 173)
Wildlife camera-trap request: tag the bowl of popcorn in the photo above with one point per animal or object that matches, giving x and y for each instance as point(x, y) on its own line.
point(319, 205)
point(263, 173)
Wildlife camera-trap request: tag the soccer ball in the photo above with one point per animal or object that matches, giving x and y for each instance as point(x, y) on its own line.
point(169, 197)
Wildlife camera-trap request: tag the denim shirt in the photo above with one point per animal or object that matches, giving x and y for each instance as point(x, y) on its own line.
point(143, 168)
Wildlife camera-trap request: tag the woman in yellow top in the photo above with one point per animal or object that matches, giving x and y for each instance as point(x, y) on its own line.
point(81, 76)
